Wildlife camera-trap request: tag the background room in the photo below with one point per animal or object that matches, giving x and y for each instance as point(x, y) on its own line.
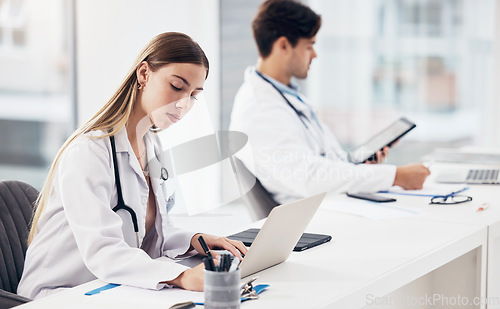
point(433, 61)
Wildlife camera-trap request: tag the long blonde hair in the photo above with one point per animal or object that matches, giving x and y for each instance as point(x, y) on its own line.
point(165, 48)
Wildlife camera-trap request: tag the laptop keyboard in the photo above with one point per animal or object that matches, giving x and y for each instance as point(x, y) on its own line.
point(484, 176)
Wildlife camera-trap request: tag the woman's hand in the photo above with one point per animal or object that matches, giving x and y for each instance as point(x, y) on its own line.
point(237, 248)
point(191, 279)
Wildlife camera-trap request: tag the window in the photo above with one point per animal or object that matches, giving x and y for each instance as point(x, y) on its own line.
point(35, 98)
point(429, 60)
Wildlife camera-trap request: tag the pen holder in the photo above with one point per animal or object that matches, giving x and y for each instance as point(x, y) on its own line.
point(222, 289)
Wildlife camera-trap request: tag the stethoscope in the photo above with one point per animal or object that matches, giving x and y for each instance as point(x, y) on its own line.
point(158, 154)
point(121, 203)
point(300, 114)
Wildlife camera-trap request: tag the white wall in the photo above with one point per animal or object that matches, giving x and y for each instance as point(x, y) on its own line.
point(492, 128)
point(111, 33)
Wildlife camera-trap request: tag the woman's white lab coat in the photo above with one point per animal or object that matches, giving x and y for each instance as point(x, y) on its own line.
point(79, 238)
point(285, 155)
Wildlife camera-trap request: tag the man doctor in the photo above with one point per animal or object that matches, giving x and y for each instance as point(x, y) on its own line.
point(289, 150)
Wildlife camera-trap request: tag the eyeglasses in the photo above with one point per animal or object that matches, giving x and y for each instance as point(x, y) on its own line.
point(450, 199)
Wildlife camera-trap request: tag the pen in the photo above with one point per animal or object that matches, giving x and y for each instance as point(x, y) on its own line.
point(228, 262)
point(186, 305)
point(207, 252)
point(207, 263)
point(225, 262)
point(102, 288)
point(222, 263)
point(483, 207)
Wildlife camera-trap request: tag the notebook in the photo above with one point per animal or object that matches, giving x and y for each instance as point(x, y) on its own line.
point(470, 176)
point(306, 241)
point(279, 234)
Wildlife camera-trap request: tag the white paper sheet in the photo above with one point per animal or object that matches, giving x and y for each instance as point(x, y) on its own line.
point(432, 189)
point(146, 298)
point(372, 210)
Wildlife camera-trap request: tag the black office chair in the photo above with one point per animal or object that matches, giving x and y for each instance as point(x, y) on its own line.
point(258, 200)
point(16, 206)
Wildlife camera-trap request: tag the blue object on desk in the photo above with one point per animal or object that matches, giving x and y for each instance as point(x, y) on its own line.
point(102, 288)
point(428, 195)
point(258, 288)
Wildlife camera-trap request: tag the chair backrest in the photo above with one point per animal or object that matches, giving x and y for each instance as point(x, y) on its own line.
point(258, 200)
point(16, 206)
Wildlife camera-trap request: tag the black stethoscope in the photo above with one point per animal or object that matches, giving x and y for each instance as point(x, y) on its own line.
point(121, 203)
point(300, 114)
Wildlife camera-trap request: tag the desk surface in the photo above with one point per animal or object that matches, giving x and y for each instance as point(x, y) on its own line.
point(364, 258)
point(460, 213)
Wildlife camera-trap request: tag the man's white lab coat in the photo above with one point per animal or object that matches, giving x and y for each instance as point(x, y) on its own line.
point(286, 156)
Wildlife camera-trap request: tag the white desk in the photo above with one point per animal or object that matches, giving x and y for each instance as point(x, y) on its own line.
point(467, 214)
point(365, 259)
point(448, 251)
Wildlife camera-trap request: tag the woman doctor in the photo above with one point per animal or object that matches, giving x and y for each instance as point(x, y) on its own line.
point(76, 235)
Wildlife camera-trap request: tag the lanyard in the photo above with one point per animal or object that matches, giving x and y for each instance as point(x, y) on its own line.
point(300, 114)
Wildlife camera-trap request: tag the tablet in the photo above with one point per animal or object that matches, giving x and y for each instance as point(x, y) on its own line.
point(385, 138)
point(306, 241)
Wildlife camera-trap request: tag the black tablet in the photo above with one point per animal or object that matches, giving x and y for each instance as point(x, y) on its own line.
point(387, 137)
point(306, 241)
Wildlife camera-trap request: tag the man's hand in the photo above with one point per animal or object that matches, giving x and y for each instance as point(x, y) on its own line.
point(411, 177)
point(380, 156)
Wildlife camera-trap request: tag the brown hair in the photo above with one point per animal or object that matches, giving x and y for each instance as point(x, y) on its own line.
point(289, 18)
point(165, 48)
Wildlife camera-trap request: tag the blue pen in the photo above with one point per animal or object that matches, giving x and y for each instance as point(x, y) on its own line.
point(428, 195)
point(102, 288)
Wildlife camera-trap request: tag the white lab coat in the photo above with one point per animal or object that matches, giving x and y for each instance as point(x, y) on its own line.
point(285, 155)
point(79, 238)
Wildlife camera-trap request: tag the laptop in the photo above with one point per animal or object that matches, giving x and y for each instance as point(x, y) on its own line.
point(279, 234)
point(470, 176)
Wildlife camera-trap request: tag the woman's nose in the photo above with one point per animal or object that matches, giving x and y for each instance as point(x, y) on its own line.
point(185, 103)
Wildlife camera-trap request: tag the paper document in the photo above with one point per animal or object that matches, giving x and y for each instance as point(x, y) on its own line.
point(150, 298)
point(372, 210)
point(432, 189)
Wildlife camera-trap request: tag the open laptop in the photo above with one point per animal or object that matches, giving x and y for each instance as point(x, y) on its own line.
point(470, 176)
point(279, 234)
point(277, 237)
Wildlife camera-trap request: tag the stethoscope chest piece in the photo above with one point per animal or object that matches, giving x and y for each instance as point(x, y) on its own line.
point(164, 173)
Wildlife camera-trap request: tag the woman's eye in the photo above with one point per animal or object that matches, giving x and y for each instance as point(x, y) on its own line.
point(175, 88)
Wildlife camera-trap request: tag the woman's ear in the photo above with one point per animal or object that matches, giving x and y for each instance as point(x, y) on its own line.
point(142, 73)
